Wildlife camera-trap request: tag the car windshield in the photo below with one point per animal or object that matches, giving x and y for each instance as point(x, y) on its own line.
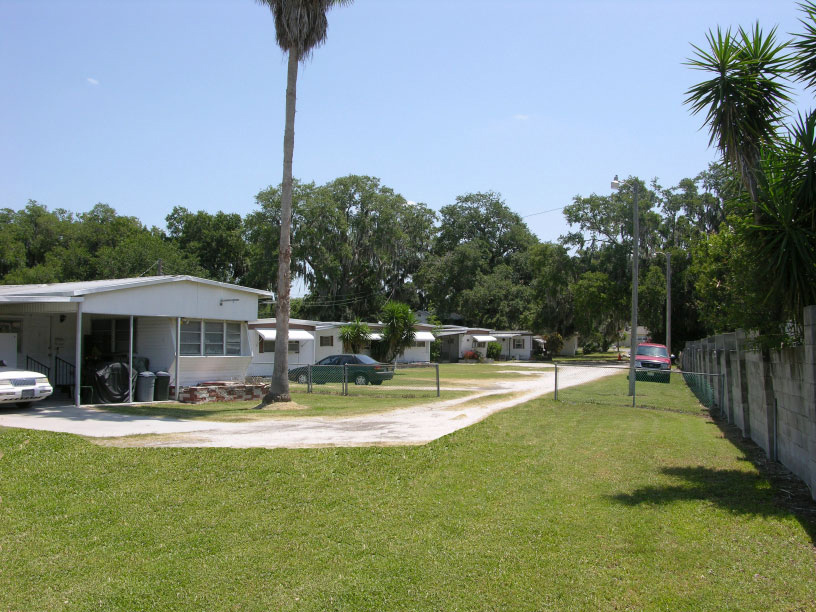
point(330, 360)
point(653, 351)
point(366, 360)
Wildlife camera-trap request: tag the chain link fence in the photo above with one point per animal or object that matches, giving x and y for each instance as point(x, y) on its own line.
point(382, 380)
point(653, 388)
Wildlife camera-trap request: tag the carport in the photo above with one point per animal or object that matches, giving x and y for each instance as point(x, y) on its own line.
point(194, 328)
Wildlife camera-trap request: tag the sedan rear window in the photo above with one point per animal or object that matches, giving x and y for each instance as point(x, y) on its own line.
point(366, 360)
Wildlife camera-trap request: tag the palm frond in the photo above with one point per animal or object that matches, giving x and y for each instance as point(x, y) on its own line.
point(804, 67)
point(301, 25)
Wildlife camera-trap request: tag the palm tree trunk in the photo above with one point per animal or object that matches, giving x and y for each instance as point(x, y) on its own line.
point(279, 390)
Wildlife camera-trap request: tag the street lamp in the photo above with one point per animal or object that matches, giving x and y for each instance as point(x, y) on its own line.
point(635, 236)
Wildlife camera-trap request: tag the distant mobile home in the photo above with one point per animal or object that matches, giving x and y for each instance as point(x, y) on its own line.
point(311, 341)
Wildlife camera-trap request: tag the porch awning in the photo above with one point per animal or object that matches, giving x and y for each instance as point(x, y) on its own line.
point(424, 336)
point(294, 334)
point(484, 338)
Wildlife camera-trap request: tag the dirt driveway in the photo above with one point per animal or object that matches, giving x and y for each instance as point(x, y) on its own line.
point(405, 426)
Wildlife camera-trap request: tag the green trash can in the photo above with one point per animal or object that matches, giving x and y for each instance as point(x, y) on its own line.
point(144, 386)
point(161, 391)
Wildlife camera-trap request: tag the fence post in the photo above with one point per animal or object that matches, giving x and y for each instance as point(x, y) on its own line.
point(345, 379)
point(437, 380)
point(555, 396)
point(634, 389)
point(309, 378)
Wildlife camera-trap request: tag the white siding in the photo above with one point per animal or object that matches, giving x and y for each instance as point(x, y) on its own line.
point(195, 370)
point(414, 354)
point(156, 340)
point(325, 351)
point(189, 299)
point(262, 363)
point(516, 353)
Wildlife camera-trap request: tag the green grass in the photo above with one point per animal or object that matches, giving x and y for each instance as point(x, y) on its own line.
point(304, 405)
point(609, 356)
point(614, 390)
point(476, 371)
point(550, 505)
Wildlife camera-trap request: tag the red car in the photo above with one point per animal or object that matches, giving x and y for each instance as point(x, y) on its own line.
point(653, 356)
point(653, 362)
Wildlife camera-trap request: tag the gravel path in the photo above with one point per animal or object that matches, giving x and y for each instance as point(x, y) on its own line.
point(405, 426)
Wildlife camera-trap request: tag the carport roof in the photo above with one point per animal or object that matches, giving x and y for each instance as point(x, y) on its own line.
point(81, 288)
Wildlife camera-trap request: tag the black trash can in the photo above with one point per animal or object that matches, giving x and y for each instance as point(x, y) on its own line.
point(161, 391)
point(144, 387)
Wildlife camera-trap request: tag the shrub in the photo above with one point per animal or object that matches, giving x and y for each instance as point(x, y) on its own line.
point(493, 350)
point(354, 336)
point(436, 350)
point(554, 343)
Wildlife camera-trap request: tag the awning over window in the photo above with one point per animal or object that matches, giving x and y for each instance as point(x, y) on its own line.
point(374, 336)
point(424, 336)
point(484, 338)
point(294, 334)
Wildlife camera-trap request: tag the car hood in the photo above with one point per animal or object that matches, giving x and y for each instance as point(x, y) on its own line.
point(652, 358)
point(9, 373)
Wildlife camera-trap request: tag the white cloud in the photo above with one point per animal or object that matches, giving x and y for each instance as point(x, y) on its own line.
point(92, 81)
point(521, 117)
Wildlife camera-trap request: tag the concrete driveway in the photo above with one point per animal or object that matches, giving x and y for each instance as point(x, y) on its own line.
point(405, 426)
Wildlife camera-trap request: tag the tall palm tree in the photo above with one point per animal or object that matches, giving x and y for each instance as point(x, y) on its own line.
point(300, 27)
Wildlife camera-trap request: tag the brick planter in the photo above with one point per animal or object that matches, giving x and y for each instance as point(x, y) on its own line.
point(220, 392)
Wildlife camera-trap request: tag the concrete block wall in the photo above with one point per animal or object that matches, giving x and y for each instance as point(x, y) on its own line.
point(770, 395)
point(756, 399)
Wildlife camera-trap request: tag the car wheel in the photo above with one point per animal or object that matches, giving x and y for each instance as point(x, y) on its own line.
point(302, 379)
point(24, 404)
point(360, 379)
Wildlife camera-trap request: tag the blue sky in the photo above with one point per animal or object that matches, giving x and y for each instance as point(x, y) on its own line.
point(149, 104)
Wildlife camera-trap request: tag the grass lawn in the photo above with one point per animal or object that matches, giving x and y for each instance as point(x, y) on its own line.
point(303, 405)
point(614, 390)
point(484, 371)
point(549, 505)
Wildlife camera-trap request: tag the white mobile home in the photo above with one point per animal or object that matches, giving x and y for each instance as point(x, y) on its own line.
point(515, 344)
point(193, 328)
point(457, 340)
point(311, 341)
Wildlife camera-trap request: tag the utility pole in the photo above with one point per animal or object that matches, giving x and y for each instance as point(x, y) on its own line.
point(635, 247)
point(635, 266)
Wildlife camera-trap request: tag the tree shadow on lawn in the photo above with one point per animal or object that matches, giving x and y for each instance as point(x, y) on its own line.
point(734, 490)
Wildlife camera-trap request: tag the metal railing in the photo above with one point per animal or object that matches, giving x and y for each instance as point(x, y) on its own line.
point(35, 366)
point(64, 374)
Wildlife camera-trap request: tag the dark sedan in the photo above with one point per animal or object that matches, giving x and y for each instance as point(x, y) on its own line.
point(361, 370)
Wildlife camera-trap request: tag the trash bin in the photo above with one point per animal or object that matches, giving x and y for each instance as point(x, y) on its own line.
point(162, 389)
point(144, 387)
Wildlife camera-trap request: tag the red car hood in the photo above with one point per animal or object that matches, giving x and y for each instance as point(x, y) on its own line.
point(652, 359)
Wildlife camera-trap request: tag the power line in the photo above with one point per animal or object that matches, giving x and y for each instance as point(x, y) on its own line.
point(544, 212)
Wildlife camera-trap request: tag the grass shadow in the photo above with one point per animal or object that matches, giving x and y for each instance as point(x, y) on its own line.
point(734, 490)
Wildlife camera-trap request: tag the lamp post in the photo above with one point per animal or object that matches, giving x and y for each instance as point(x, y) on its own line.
point(635, 236)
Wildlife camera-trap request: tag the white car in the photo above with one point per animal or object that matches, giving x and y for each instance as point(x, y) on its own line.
point(22, 387)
